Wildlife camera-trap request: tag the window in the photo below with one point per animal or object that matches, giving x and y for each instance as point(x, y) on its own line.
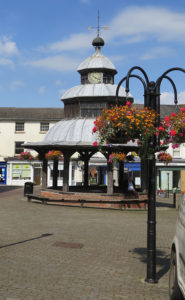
point(107, 78)
point(84, 79)
point(176, 152)
point(19, 126)
point(18, 148)
point(44, 127)
point(21, 171)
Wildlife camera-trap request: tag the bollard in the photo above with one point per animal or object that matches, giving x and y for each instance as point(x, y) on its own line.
point(174, 197)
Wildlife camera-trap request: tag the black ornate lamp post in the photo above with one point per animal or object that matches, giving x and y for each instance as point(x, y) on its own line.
point(151, 101)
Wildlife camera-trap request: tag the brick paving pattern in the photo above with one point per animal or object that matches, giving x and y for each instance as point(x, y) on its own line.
point(49, 252)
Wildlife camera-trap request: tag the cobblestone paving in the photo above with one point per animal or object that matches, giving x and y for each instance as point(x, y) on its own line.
point(51, 252)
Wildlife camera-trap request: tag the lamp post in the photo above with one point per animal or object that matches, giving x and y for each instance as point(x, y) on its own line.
point(151, 101)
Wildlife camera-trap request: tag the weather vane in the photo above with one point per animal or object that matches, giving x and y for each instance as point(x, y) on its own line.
point(98, 27)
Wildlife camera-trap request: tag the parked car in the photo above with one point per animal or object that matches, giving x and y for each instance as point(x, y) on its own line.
point(177, 261)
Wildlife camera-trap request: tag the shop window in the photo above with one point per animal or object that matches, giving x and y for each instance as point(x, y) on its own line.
point(44, 126)
point(21, 172)
point(19, 126)
point(18, 148)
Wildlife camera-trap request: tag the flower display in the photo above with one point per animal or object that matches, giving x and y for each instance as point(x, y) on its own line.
point(120, 124)
point(165, 157)
point(175, 128)
point(53, 154)
point(26, 156)
point(115, 157)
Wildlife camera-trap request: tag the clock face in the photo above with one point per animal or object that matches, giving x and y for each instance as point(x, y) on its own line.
point(95, 77)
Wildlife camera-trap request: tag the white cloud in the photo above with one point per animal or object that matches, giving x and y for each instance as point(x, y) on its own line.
point(6, 62)
point(16, 84)
point(8, 47)
point(42, 90)
point(137, 23)
point(132, 25)
point(157, 52)
point(57, 63)
point(74, 42)
point(168, 98)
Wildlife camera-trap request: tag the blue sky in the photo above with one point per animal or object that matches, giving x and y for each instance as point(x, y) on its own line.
point(42, 42)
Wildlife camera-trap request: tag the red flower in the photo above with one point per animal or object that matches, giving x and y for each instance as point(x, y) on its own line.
point(183, 109)
point(95, 144)
point(167, 118)
point(181, 134)
point(94, 129)
point(172, 132)
point(173, 115)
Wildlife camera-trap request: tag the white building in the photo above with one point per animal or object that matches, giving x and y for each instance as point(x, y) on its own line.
point(17, 126)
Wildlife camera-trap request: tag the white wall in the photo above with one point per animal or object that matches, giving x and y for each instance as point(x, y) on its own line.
point(8, 136)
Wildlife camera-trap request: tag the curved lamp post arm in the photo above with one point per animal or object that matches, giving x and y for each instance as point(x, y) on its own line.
point(158, 81)
point(174, 88)
point(133, 76)
point(129, 74)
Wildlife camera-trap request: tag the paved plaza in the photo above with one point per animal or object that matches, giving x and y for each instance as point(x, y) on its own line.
point(51, 252)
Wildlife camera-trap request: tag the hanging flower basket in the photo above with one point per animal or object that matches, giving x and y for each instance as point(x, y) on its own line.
point(53, 155)
point(116, 157)
point(26, 156)
point(174, 125)
point(164, 157)
point(120, 124)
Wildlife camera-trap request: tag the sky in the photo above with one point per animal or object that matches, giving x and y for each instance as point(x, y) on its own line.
point(42, 42)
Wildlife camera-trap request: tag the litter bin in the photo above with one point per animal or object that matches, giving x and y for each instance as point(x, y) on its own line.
point(28, 188)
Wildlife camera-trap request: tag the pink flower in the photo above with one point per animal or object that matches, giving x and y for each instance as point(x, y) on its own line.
point(95, 144)
point(173, 115)
point(161, 128)
point(128, 103)
point(183, 109)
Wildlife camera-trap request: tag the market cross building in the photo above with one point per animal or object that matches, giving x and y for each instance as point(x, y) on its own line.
point(82, 104)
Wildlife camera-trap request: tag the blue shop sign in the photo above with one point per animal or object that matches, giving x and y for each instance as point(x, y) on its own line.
point(3, 172)
point(133, 166)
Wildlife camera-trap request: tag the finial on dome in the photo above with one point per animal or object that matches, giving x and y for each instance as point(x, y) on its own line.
point(98, 42)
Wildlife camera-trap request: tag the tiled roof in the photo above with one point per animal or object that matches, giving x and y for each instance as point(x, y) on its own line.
point(31, 114)
point(165, 110)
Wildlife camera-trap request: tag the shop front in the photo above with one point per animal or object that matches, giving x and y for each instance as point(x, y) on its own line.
point(3, 172)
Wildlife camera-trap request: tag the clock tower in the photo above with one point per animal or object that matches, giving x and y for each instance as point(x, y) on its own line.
point(97, 89)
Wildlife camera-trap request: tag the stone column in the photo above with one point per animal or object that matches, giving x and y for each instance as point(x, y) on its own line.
point(66, 172)
point(44, 173)
point(110, 189)
point(55, 173)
